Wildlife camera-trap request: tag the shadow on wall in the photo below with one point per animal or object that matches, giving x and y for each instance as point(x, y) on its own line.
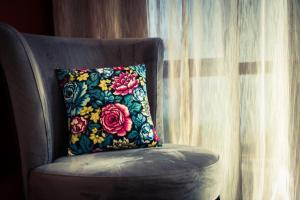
point(30, 16)
point(10, 169)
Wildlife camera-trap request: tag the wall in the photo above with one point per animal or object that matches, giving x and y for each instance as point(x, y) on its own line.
point(30, 16)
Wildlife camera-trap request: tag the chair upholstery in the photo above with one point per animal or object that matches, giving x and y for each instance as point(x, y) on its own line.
point(171, 172)
point(28, 62)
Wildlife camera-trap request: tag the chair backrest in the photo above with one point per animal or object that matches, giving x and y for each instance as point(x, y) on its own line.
point(28, 62)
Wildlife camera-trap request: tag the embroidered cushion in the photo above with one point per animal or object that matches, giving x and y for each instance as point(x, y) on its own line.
point(107, 109)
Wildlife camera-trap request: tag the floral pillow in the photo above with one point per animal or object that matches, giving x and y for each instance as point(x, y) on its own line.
point(107, 109)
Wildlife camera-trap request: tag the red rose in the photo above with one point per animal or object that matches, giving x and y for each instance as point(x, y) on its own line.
point(119, 68)
point(124, 84)
point(115, 119)
point(156, 138)
point(78, 125)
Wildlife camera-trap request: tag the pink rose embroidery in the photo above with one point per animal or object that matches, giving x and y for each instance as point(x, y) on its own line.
point(156, 138)
point(78, 125)
point(119, 68)
point(115, 119)
point(124, 84)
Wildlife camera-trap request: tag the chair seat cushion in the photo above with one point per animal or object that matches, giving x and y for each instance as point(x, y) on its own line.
point(169, 172)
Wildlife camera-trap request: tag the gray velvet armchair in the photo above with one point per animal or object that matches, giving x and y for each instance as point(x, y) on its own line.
point(28, 62)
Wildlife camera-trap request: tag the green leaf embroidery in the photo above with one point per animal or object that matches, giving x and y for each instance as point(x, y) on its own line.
point(91, 126)
point(135, 107)
point(139, 120)
point(128, 100)
point(85, 143)
point(107, 141)
point(118, 99)
point(133, 134)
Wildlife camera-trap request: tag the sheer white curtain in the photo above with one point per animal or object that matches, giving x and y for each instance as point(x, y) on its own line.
point(230, 84)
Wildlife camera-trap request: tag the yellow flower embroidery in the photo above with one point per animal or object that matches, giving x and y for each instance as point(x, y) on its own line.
point(95, 116)
point(86, 110)
point(74, 138)
point(72, 77)
point(83, 77)
point(97, 138)
point(142, 81)
point(103, 85)
point(153, 144)
point(94, 130)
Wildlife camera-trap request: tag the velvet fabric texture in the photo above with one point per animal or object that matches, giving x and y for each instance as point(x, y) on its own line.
point(171, 172)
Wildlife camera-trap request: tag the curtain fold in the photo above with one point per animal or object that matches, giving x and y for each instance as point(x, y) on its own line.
point(230, 80)
point(100, 18)
point(294, 76)
point(201, 79)
point(231, 85)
